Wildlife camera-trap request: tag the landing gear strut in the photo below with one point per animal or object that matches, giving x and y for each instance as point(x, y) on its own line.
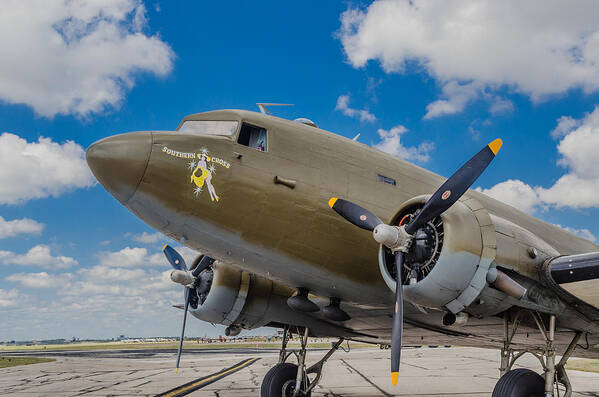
point(523, 382)
point(290, 380)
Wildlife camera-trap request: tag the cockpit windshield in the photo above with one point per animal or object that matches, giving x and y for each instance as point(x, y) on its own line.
point(208, 127)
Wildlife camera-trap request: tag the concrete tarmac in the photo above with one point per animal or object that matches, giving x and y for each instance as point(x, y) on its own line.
point(466, 372)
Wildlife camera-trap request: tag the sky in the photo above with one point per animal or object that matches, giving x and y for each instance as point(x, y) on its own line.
point(430, 82)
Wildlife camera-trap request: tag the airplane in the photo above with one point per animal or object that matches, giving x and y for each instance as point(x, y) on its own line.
point(305, 230)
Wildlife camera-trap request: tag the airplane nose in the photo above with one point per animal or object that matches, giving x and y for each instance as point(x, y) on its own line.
point(119, 162)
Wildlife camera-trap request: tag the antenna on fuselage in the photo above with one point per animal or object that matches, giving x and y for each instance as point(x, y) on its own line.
point(264, 110)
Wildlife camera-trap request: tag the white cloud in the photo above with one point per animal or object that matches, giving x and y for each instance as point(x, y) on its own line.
point(515, 193)
point(102, 280)
point(33, 170)
point(19, 226)
point(75, 57)
point(584, 233)
point(528, 47)
point(391, 143)
point(500, 106)
point(40, 280)
point(474, 132)
point(91, 288)
point(362, 114)
point(92, 302)
point(565, 124)
point(8, 298)
point(132, 257)
point(105, 273)
point(579, 146)
point(456, 96)
point(579, 186)
point(99, 280)
point(160, 282)
point(147, 238)
point(40, 255)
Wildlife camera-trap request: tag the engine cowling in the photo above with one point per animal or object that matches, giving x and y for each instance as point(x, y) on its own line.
point(237, 297)
point(454, 252)
point(241, 300)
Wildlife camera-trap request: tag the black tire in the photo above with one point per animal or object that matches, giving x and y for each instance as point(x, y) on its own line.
point(280, 381)
point(520, 382)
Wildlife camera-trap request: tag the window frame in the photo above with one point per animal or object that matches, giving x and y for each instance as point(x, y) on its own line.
point(267, 139)
point(235, 133)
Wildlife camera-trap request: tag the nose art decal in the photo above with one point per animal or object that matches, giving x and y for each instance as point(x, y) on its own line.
point(203, 169)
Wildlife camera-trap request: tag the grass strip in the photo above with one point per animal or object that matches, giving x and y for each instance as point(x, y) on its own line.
point(170, 345)
point(6, 362)
point(583, 364)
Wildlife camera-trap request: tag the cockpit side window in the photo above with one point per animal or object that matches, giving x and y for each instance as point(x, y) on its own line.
point(209, 127)
point(252, 136)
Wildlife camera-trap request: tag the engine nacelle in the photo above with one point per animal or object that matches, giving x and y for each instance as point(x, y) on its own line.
point(450, 257)
point(241, 300)
point(237, 298)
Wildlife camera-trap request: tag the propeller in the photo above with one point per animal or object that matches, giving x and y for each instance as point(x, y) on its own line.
point(357, 215)
point(191, 280)
point(174, 258)
point(455, 186)
point(187, 294)
point(397, 326)
point(178, 263)
point(399, 238)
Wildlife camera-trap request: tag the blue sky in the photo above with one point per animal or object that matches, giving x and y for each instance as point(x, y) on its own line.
point(418, 81)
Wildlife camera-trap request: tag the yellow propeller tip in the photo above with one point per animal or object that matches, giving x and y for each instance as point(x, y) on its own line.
point(176, 370)
point(165, 245)
point(495, 145)
point(332, 201)
point(394, 376)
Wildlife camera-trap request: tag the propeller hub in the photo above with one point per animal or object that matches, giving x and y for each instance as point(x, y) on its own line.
point(182, 277)
point(393, 237)
point(386, 235)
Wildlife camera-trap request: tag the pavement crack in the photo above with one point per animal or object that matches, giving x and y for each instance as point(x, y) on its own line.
point(366, 379)
point(415, 366)
point(254, 377)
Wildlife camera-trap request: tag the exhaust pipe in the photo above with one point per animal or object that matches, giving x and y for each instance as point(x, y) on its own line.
point(455, 319)
point(505, 284)
point(232, 330)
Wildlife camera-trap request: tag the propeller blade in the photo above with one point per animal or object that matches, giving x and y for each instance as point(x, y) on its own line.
point(174, 258)
point(455, 186)
point(187, 294)
point(355, 214)
point(397, 327)
point(203, 263)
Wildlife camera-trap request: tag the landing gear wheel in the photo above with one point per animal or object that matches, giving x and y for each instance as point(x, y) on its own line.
point(520, 382)
point(280, 381)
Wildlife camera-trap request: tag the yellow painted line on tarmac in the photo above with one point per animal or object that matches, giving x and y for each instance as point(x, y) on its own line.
point(201, 382)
